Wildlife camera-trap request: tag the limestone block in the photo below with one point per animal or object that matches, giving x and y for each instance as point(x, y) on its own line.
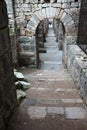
point(27, 16)
point(74, 5)
point(57, 12)
point(48, 12)
point(70, 40)
point(52, 1)
point(57, 5)
point(25, 5)
point(44, 13)
point(33, 1)
point(63, 15)
point(26, 1)
point(75, 63)
point(70, 28)
point(32, 23)
point(39, 15)
point(44, 5)
point(42, 1)
point(22, 32)
point(29, 32)
point(60, 14)
point(66, 5)
point(67, 11)
point(67, 1)
point(83, 85)
point(36, 19)
point(66, 19)
point(59, 1)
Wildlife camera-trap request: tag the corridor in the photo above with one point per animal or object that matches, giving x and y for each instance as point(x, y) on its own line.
point(52, 60)
point(52, 102)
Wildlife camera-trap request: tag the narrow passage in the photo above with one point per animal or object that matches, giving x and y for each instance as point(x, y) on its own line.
point(52, 60)
point(52, 102)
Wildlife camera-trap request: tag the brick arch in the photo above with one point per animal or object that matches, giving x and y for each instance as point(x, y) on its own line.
point(51, 12)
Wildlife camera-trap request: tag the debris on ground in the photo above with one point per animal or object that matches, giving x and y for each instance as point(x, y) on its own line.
point(18, 75)
point(21, 84)
point(20, 95)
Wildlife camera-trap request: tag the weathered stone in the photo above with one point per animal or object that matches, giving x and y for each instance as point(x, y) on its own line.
point(24, 85)
point(20, 95)
point(23, 39)
point(55, 110)
point(7, 87)
point(75, 113)
point(37, 112)
point(19, 75)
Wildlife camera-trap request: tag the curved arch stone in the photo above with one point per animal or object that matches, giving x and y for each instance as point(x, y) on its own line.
point(51, 12)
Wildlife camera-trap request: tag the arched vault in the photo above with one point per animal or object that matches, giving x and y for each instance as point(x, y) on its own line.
point(52, 12)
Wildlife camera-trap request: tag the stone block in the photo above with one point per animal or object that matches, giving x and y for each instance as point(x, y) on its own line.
point(74, 5)
point(75, 113)
point(37, 112)
point(55, 110)
point(66, 5)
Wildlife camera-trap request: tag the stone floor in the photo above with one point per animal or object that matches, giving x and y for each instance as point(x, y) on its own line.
point(52, 102)
point(52, 60)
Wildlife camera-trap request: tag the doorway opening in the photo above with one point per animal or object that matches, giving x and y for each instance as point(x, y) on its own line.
point(49, 44)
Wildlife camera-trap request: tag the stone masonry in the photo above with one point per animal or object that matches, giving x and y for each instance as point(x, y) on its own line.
point(7, 87)
point(12, 31)
point(28, 15)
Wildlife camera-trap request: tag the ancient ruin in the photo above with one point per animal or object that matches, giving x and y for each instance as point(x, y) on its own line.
point(43, 52)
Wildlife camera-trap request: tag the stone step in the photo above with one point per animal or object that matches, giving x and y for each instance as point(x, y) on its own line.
point(56, 85)
point(48, 66)
point(35, 93)
point(73, 102)
point(40, 112)
point(27, 54)
point(51, 35)
point(42, 50)
point(52, 62)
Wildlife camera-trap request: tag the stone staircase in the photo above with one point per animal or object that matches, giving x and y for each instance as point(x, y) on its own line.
point(52, 102)
point(52, 60)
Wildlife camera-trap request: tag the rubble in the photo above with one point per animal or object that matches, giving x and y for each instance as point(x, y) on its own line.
point(21, 84)
point(20, 95)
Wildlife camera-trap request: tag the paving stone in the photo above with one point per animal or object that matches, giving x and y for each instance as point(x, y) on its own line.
point(37, 112)
point(68, 100)
point(48, 101)
point(31, 101)
point(63, 90)
point(79, 100)
point(75, 113)
point(55, 110)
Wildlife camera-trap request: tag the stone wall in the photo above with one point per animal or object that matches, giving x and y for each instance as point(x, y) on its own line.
point(7, 87)
point(77, 66)
point(25, 9)
point(41, 33)
point(12, 31)
point(75, 57)
point(29, 13)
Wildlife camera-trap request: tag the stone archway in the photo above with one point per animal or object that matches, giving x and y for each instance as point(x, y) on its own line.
point(56, 13)
point(51, 12)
